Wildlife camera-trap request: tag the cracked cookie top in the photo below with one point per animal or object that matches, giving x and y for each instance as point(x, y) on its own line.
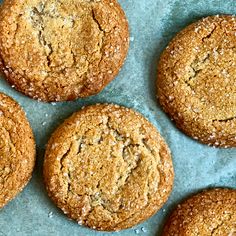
point(17, 149)
point(210, 213)
point(61, 50)
point(197, 80)
point(108, 168)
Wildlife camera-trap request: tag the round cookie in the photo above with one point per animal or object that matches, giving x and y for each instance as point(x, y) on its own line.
point(108, 168)
point(197, 80)
point(210, 213)
point(61, 50)
point(17, 149)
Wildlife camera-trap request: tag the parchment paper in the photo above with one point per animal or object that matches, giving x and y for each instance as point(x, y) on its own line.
point(152, 24)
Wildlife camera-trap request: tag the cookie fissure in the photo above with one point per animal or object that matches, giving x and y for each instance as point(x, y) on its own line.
point(80, 142)
point(38, 22)
point(64, 169)
point(225, 120)
point(196, 67)
point(64, 157)
point(144, 142)
point(131, 170)
point(102, 38)
point(97, 22)
point(17, 27)
point(208, 36)
point(126, 152)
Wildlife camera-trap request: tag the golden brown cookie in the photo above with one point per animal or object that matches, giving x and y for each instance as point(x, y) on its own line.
point(108, 168)
point(61, 50)
point(197, 80)
point(210, 213)
point(17, 149)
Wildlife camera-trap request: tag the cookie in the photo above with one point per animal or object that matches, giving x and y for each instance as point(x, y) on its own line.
point(61, 50)
point(108, 168)
point(210, 213)
point(17, 149)
point(197, 80)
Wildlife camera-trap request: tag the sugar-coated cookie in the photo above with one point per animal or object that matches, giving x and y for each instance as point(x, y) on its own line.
point(108, 168)
point(61, 50)
point(197, 80)
point(17, 149)
point(209, 213)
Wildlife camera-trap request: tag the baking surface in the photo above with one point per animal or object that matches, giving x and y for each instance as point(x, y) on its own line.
point(152, 24)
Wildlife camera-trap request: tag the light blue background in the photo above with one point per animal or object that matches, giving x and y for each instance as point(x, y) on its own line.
point(152, 24)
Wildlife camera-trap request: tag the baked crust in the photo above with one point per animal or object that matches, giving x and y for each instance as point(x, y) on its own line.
point(197, 80)
point(61, 50)
point(17, 149)
point(108, 168)
point(210, 213)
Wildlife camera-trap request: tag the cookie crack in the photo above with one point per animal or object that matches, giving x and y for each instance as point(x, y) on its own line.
point(38, 23)
point(132, 170)
point(100, 46)
point(64, 156)
point(17, 28)
point(194, 67)
point(97, 22)
point(118, 137)
point(210, 34)
point(225, 120)
point(129, 174)
point(101, 30)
